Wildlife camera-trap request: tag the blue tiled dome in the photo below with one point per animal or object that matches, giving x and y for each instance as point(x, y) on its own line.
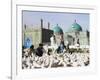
point(75, 27)
point(57, 29)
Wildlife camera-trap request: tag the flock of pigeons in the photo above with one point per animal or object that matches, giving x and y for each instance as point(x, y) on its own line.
point(54, 60)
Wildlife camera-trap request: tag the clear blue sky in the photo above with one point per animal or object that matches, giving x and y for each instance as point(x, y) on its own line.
point(64, 20)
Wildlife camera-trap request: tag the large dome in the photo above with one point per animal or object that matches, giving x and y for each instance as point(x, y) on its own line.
point(57, 29)
point(76, 27)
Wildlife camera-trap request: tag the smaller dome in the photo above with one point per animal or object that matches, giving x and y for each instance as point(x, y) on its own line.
point(76, 27)
point(57, 29)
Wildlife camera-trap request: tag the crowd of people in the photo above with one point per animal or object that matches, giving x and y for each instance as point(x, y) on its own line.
point(45, 57)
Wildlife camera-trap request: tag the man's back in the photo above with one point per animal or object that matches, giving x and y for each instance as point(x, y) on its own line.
point(39, 52)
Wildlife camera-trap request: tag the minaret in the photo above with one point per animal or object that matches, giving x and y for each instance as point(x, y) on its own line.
point(41, 27)
point(48, 25)
point(41, 23)
point(25, 26)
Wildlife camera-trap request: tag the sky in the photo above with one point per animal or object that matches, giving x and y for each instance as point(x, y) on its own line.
point(64, 20)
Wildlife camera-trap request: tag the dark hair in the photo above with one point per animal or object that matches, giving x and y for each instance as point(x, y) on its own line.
point(23, 47)
point(40, 44)
point(32, 47)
